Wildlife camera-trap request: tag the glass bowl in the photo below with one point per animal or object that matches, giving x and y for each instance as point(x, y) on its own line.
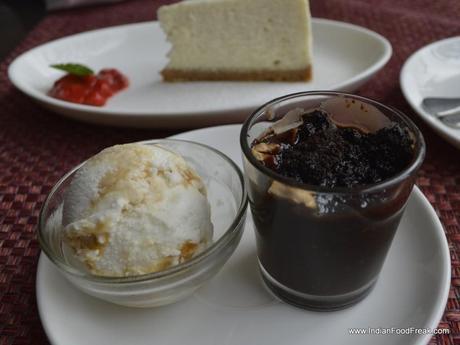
point(228, 200)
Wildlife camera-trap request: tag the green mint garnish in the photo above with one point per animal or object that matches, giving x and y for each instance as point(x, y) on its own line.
point(74, 68)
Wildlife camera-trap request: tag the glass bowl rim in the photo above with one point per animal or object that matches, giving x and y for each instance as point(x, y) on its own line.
point(419, 151)
point(216, 246)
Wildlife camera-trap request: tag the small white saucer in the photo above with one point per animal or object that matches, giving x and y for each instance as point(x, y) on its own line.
point(433, 71)
point(345, 57)
point(235, 309)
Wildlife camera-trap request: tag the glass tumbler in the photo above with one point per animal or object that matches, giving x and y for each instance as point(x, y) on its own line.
point(323, 248)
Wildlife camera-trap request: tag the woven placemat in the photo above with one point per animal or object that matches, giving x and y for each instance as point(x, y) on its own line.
point(37, 147)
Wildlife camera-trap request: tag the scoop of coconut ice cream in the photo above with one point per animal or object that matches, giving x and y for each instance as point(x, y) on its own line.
point(135, 209)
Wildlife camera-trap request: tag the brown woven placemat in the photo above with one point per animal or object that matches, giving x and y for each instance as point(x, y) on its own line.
point(37, 147)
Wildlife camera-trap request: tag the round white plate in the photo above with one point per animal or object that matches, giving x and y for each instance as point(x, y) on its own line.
point(235, 309)
point(345, 56)
point(433, 71)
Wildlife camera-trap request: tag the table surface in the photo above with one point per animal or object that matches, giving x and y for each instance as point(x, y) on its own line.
point(16, 19)
point(37, 147)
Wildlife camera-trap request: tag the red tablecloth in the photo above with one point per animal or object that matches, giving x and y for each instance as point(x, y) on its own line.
point(37, 147)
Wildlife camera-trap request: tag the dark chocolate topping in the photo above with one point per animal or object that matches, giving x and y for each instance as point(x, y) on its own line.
point(320, 153)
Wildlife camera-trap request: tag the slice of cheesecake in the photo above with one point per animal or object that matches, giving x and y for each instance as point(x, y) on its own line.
point(238, 40)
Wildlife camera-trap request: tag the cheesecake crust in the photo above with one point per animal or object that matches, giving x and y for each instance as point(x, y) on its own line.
point(176, 75)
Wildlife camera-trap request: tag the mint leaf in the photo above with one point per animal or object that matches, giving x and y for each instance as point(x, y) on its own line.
point(74, 68)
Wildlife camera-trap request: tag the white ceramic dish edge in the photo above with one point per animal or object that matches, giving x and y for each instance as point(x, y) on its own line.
point(449, 134)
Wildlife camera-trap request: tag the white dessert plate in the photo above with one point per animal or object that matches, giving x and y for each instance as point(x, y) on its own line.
point(345, 56)
point(234, 308)
point(433, 71)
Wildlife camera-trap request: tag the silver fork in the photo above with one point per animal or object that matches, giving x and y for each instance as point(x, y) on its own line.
point(447, 110)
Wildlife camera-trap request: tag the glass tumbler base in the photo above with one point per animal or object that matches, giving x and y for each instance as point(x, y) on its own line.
point(314, 302)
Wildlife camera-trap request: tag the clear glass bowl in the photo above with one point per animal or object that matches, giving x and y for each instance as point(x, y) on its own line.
point(228, 200)
point(323, 248)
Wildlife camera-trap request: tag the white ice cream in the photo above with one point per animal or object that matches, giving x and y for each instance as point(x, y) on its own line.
point(135, 209)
